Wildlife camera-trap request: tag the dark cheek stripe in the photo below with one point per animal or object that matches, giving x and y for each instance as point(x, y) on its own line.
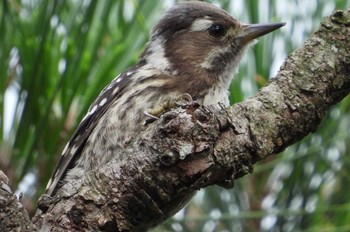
point(220, 63)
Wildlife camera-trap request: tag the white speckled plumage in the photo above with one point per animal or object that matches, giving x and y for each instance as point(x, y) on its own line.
point(193, 50)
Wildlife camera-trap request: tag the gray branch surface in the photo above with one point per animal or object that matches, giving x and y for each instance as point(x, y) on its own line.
point(13, 216)
point(192, 147)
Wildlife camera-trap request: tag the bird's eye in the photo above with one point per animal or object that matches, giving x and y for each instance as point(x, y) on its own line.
point(217, 30)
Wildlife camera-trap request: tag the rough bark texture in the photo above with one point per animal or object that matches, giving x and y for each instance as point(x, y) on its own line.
point(13, 216)
point(192, 147)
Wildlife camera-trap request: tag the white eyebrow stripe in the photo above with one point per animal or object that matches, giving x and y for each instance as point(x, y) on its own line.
point(201, 24)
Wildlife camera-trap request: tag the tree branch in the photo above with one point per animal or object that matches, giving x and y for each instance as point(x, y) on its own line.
point(13, 216)
point(192, 147)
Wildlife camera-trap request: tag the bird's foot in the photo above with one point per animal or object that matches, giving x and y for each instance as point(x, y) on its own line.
point(166, 105)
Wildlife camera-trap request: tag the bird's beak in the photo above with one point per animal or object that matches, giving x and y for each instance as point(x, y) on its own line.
point(253, 31)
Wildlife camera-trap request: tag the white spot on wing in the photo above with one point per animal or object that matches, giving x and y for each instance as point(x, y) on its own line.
point(86, 115)
point(111, 84)
point(74, 149)
point(104, 100)
point(115, 91)
point(93, 110)
point(108, 87)
point(65, 149)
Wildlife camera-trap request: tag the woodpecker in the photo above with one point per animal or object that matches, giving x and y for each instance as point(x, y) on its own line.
point(192, 51)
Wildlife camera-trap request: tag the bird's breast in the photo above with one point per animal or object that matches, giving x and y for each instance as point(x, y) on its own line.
point(216, 95)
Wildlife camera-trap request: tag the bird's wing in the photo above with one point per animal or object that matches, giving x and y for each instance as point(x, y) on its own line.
point(74, 147)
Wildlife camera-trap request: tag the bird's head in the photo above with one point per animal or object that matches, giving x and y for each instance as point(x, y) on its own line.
point(198, 39)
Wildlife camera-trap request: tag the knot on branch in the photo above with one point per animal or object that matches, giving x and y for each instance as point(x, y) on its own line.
point(341, 17)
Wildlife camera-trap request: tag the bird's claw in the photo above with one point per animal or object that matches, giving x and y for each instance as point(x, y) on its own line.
point(183, 99)
point(154, 113)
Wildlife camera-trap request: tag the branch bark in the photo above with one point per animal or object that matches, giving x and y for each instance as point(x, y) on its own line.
point(192, 147)
point(13, 216)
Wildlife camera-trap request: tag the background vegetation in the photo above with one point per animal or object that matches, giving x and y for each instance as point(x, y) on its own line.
point(56, 56)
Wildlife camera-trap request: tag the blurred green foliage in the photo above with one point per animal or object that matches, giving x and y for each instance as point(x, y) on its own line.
point(56, 56)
